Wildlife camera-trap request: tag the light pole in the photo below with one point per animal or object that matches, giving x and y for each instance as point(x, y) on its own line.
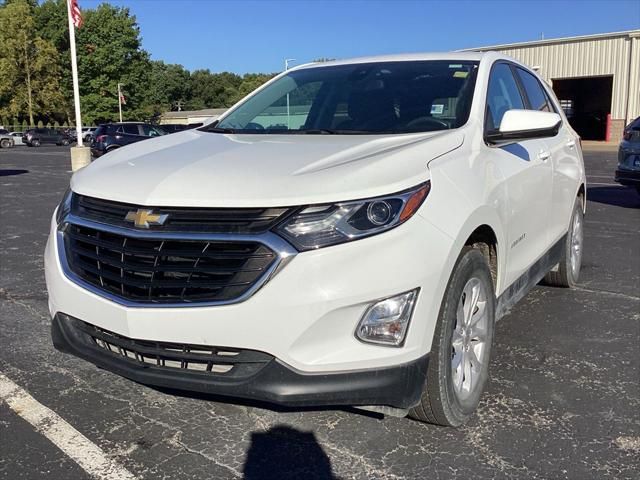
point(120, 101)
point(286, 67)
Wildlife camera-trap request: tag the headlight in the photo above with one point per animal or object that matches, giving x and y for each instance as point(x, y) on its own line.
point(65, 206)
point(323, 225)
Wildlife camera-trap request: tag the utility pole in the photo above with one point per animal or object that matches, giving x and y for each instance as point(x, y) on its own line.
point(120, 102)
point(286, 67)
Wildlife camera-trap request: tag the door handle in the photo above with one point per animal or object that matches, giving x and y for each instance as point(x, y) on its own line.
point(544, 155)
point(571, 143)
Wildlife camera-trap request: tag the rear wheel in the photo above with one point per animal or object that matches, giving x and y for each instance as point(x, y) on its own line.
point(567, 272)
point(5, 143)
point(459, 359)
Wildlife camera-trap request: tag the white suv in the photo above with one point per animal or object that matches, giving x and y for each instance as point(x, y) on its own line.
point(348, 234)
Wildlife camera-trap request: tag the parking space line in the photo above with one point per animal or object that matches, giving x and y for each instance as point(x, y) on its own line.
point(76, 446)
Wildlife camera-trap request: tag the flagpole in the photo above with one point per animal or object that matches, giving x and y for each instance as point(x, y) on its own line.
point(120, 102)
point(74, 74)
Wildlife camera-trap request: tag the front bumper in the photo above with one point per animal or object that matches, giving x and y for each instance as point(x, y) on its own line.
point(398, 386)
point(305, 317)
point(627, 177)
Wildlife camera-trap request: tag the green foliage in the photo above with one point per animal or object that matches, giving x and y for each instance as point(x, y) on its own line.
point(35, 39)
point(29, 74)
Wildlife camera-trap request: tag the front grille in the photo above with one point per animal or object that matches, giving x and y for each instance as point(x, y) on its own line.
point(208, 360)
point(211, 220)
point(165, 270)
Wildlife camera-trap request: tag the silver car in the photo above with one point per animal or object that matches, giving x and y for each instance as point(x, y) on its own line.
point(628, 171)
point(6, 140)
point(17, 138)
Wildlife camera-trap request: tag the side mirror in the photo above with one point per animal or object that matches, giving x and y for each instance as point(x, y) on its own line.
point(519, 125)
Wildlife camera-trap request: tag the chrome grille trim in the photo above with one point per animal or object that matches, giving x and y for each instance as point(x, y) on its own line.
point(283, 250)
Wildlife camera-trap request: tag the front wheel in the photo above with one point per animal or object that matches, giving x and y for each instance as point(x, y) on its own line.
point(567, 272)
point(459, 359)
point(35, 143)
point(5, 143)
point(65, 142)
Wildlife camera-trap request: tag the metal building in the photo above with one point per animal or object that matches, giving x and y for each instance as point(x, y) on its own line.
point(595, 77)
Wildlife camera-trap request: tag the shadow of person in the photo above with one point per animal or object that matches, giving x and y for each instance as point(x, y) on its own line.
point(285, 453)
point(618, 196)
point(9, 172)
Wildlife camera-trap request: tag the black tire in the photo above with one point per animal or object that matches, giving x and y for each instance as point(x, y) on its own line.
point(6, 143)
point(638, 189)
point(112, 148)
point(65, 142)
point(35, 142)
point(440, 404)
point(565, 274)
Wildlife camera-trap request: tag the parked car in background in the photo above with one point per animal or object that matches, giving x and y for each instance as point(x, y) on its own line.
point(17, 138)
point(41, 136)
point(110, 136)
point(174, 127)
point(6, 140)
point(87, 133)
point(628, 171)
point(71, 132)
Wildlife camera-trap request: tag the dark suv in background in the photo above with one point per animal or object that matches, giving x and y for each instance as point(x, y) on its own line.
point(628, 171)
point(35, 137)
point(110, 136)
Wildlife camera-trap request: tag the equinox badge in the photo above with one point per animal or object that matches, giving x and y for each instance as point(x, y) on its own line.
point(143, 218)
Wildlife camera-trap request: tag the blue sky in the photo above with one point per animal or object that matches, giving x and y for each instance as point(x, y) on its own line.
point(255, 36)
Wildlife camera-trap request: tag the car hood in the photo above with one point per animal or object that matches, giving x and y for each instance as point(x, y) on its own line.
point(195, 168)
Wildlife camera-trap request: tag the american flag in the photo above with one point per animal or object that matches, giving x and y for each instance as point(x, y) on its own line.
point(76, 15)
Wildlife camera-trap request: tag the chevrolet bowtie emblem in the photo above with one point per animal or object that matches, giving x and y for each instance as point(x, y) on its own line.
point(143, 218)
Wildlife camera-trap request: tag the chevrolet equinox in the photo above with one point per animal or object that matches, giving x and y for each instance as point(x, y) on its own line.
point(347, 234)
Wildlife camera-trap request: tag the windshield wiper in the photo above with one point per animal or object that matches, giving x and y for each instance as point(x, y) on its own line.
point(219, 130)
point(317, 131)
point(330, 131)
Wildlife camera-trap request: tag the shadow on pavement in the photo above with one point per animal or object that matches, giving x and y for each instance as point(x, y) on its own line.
point(284, 453)
point(9, 172)
point(625, 197)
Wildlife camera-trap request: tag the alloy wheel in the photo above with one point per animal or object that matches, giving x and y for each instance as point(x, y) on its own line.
point(575, 255)
point(469, 340)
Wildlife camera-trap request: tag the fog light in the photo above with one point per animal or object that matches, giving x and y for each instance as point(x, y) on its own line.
point(386, 321)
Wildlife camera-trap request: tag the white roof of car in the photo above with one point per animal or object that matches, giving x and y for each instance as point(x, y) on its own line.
point(453, 56)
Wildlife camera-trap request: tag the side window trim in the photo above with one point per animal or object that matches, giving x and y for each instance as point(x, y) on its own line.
point(523, 94)
point(525, 99)
point(523, 91)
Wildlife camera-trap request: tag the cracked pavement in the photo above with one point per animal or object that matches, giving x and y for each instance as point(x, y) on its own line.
point(563, 399)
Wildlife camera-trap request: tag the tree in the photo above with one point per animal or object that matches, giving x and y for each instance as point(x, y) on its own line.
point(109, 52)
point(29, 79)
point(168, 88)
point(50, 19)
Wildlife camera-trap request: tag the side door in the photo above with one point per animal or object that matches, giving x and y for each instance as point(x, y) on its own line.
point(128, 133)
point(151, 131)
point(527, 174)
point(566, 162)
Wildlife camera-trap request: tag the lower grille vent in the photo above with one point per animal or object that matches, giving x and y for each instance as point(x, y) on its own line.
point(196, 358)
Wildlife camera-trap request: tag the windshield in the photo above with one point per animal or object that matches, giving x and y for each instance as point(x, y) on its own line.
point(366, 98)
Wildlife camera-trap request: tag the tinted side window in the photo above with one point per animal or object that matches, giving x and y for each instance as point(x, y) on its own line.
point(150, 131)
point(502, 95)
point(129, 129)
point(534, 91)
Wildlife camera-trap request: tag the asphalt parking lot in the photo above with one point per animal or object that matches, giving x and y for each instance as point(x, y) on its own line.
point(563, 400)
